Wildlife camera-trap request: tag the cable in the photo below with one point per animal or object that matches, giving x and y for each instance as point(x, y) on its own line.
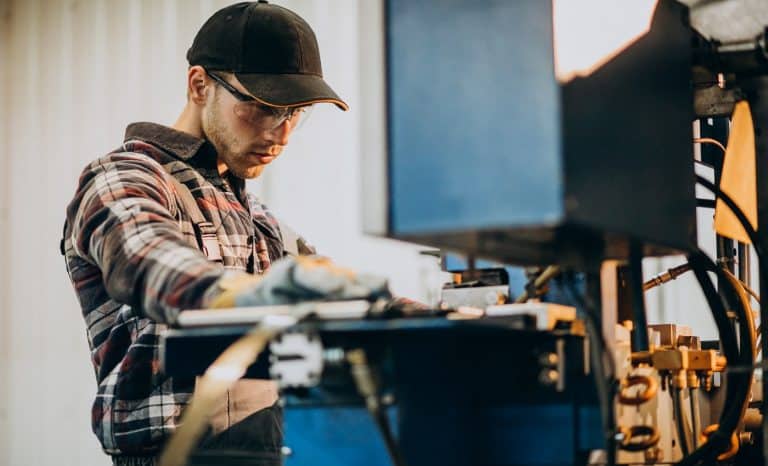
point(599, 359)
point(757, 243)
point(733, 443)
point(741, 293)
point(368, 387)
point(746, 288)
point(729, 418)
point(674, 272)
point(738, 386)
point(712, 141)
point(746, 328)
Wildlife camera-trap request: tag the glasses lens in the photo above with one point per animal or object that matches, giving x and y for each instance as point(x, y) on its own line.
point(260, 115)
point(253, 113)
point(300, 119)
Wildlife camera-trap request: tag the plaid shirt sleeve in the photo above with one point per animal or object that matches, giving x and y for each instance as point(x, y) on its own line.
point(123, 220)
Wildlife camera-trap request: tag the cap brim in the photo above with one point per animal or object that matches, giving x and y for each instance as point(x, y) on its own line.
point(290, 90)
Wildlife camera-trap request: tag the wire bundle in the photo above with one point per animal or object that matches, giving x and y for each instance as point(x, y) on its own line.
point(739, 383)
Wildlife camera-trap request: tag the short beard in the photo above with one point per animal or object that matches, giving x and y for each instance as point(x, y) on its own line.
point(217, 133)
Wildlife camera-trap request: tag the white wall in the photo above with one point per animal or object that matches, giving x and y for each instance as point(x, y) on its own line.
point(4, 240)
point(73, 73)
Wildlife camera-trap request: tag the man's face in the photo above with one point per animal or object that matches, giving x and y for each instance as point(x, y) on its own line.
point(244, 145)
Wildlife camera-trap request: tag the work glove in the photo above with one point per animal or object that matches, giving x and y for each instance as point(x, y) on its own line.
point(296, 279)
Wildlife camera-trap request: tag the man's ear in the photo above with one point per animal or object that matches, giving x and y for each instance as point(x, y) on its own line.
point(197, 84)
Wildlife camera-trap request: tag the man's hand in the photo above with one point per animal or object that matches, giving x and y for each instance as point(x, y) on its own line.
point(296, 279)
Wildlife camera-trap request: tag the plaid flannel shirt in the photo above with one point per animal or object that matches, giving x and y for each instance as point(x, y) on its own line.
point(133, 258)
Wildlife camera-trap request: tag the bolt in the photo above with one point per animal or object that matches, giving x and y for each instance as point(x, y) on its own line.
point(549, 359)
point(548, 377)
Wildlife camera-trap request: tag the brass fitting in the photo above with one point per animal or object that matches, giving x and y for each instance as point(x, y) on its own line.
point(693, 379)
point(680, 379)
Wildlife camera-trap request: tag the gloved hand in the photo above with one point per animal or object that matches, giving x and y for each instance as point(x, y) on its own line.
point(295, 279)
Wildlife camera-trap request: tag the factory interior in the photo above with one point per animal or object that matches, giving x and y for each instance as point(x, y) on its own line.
point(563, 201)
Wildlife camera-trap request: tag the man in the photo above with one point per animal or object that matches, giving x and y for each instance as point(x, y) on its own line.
point(164, 223)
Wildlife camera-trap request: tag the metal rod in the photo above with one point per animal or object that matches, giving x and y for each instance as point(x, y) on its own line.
point(677, 411)
point(640, 327)
point(745, 265)
point(693, 398)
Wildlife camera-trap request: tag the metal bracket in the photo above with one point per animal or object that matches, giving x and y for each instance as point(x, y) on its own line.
point(714, 101)
point(296, 360)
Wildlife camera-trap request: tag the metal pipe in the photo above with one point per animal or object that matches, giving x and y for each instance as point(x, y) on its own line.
point(693, 398)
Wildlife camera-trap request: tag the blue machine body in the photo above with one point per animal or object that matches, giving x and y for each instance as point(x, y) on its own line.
point(336, 435)
point(464, 109)
point(516, 434)
point(464, 393)
point(458, 392)
point(489, 154)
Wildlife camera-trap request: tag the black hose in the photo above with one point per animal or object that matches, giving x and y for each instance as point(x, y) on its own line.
point(747, 346)
point(730, 348)
point(760, 248)
point(737, 388)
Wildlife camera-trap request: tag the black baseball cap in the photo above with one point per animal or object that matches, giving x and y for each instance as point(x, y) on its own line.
point(270, 49)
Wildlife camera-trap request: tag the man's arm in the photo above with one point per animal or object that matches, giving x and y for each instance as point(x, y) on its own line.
point(122, 220)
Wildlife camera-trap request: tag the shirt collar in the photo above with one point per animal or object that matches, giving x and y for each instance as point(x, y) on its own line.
point(179, 144)
point(197, 152)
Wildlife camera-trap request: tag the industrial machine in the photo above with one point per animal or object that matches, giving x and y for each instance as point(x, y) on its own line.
point(485, 140)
